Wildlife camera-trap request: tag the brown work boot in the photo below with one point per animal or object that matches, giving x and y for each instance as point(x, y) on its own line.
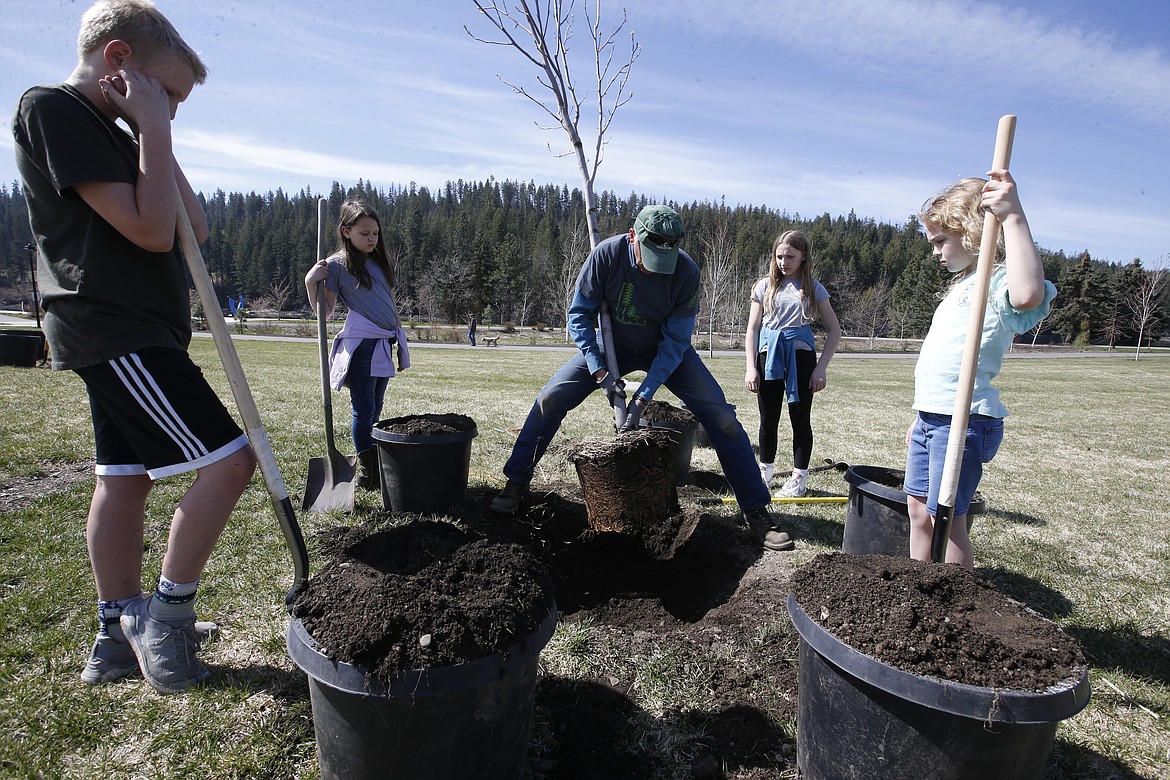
point(760, 521)
point(369, 475)
point(510, 498)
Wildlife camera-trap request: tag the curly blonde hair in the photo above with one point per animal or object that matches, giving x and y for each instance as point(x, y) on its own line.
point(959, 209)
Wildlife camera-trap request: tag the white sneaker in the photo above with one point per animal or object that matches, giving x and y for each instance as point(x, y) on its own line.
point(795, 487)
point(766, 470)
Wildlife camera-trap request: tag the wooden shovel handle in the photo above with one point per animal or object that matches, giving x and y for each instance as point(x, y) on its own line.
point(961, 416)
point(323, 336)
point(245, 403)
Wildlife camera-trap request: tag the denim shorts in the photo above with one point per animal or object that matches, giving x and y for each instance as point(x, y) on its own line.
point(928, 453)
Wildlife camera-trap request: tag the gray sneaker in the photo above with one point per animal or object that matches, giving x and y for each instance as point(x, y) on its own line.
point(510, 498)
point(112, 657)
point(772, 538)
point(166, 651)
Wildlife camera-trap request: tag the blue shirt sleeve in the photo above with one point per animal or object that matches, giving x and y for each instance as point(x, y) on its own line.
point(583, 329)
point(676, 337)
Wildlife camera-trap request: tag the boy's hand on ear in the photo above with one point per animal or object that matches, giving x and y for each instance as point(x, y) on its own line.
point(137, 98)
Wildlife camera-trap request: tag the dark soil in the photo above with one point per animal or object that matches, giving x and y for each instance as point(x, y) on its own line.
point(427, 424)
point(935, 621)
point(421, 595)
point(713, 594)
point(663, 412)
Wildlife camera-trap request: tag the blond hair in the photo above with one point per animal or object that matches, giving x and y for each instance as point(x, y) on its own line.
point(137, 22)
point(798, 241)
point(959, 209)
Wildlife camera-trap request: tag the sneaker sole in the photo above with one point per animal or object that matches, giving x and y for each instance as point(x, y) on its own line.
point(110, 675)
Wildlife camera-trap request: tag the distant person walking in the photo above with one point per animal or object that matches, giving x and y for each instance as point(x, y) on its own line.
point(471, 331)
point(362, 357)
point(782, 363)
point(1018, 298)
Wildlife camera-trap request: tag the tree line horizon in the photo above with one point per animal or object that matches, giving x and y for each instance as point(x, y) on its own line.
point(508, 252)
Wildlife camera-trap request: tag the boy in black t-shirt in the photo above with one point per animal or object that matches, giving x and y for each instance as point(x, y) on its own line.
point(103, 205)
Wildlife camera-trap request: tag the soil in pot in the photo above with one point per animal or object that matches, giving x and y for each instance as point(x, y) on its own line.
point(935, 620)
point(661, 411)
point(428, 424)
point(424, 461)
point(421, 595)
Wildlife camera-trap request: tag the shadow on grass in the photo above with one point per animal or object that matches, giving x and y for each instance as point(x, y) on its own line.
point(1127, 649)
point(1070, 761)
point(1016, 518)
point(1048, 602)
point(585, 730)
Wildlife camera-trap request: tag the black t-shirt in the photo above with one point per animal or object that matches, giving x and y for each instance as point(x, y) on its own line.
point(104, 296)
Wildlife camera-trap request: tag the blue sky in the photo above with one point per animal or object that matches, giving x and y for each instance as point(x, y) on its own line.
point(863, 105)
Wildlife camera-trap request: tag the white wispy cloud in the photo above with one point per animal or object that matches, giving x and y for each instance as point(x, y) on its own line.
point(1016, 49)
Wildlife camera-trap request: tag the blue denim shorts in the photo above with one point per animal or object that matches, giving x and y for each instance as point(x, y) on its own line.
point(928, 453)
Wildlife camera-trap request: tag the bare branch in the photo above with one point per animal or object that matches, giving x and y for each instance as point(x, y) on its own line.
point(549, 25)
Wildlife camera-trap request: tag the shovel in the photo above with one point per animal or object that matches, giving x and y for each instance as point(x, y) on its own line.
point(330, 480)
point(949, 485)
point(619, 397)
point(246, 405)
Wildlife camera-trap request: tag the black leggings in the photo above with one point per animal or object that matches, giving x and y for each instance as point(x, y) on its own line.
point(771, 399)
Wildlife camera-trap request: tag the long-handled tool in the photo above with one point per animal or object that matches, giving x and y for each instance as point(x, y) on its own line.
point(961, 416)
point(618, 398)
point(830, 465)
point(330, 479)
point(780, 500)
point(246, 404)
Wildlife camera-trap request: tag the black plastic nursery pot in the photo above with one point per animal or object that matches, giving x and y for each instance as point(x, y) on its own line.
point(470, 720)
point(21, 347)
point(877, 521)
point(701, 437)
point(859, 719)
point(683, 436)
point(422, 473)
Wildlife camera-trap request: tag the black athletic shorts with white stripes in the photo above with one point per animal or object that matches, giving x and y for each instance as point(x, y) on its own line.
point(154, 413)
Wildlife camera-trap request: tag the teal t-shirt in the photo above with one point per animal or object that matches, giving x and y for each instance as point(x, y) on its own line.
point(936, 375)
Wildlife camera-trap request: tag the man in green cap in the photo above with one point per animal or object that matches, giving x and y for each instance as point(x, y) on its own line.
point(651, 289)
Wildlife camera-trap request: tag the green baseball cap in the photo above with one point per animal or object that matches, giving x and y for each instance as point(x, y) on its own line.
point(659, 230)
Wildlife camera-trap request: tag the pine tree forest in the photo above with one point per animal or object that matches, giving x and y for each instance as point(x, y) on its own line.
point(508, 252)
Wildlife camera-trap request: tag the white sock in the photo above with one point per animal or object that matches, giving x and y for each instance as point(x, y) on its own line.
point(800, 473)
point(766, 470)
point(173, 601)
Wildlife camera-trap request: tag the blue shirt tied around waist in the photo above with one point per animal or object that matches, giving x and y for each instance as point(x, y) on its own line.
point(779, 349)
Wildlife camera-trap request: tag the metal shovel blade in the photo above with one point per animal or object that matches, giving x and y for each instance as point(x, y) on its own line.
point(330, 483)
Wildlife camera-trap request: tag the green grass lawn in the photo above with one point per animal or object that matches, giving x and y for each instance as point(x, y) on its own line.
point(1075, 527)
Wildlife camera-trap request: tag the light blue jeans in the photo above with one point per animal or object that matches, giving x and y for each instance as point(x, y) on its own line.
point(926, 458)
point(691, 382)
point(365, 395)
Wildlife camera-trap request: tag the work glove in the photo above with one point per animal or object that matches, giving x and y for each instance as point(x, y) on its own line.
point(614, 388)
point(633, 415)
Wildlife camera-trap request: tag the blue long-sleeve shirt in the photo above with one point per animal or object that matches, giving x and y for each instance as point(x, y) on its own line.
point(653, 315)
